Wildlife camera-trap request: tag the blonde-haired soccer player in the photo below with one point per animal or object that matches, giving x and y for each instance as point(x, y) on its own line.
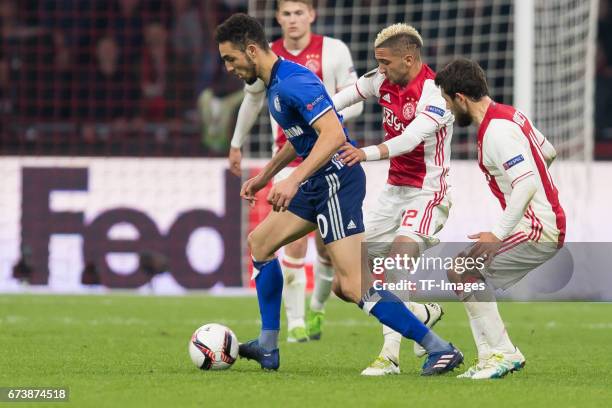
point(414, 204)
point(514, 156)
point(330, 59)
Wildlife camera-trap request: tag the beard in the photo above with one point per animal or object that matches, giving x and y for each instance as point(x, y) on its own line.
point(251, 75)
point(463, 119)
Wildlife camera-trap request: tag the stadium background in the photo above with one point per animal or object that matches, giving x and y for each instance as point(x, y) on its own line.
point(115, 118)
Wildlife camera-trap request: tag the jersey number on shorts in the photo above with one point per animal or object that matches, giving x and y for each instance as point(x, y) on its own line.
point(322, 222)
point(409, 216)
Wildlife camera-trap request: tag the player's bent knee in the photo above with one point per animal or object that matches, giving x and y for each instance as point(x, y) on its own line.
point(342, 293)
point(347, 290)
point(256, 246)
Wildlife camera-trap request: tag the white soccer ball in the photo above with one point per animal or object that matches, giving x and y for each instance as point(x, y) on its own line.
point(213, 347)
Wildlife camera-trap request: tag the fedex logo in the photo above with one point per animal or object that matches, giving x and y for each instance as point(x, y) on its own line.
point(392, 121)
point(40, 221)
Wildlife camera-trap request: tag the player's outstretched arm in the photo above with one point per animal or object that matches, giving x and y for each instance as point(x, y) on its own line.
point(346, 98)
point(254, 96)
point(421, 127)
point(353, 110)
point(344, 76)
point(366, 86)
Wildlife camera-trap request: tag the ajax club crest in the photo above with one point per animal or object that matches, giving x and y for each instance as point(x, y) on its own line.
point(409, 109)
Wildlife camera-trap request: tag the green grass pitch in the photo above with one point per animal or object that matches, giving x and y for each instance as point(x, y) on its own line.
point(131, 351)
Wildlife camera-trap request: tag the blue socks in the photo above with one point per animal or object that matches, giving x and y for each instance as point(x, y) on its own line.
point(392, 312)
point(269, 284)
point(432, 343)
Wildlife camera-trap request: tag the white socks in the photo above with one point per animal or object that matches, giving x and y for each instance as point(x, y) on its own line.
point(294, 290)
point(323, 278)
point(391, 346)
point(487, 326)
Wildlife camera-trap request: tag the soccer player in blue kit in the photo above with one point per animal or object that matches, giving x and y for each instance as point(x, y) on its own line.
point(321, 192)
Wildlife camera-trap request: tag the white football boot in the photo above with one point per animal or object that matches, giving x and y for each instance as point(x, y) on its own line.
point(473, 369)
point(499, 365)
point(381, 366)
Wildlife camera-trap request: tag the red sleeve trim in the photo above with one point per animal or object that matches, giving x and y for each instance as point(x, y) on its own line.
point(359, 92)
point(431, 117)
point(520, 178)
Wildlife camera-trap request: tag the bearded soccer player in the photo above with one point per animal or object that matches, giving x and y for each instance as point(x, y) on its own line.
point(320, 192)
point(514, 157)
point(414, 204)
point(330, 59)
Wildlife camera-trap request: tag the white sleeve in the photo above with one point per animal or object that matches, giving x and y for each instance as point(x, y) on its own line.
point(345, 76)
point(366, 86)
point(420, 128)
point(505, 146)
point(521, 195)
point(254, 96)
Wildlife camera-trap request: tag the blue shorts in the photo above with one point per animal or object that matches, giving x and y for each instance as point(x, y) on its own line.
point(333, 200)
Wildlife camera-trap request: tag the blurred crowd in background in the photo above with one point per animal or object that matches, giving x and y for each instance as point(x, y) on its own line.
point(144, 77)
point(90, 72)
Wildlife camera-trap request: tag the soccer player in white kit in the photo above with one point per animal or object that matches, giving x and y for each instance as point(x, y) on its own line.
point(331, 61)
point(414, 204)
point(514, 156)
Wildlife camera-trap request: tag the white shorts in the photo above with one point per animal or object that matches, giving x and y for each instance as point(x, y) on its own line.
point(517, 257)
point(406, 211)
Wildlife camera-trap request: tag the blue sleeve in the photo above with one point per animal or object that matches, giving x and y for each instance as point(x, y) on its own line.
point(308, 96)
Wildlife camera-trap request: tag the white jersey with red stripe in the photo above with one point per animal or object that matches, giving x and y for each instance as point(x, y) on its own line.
point(427, 164)
point(510, 151)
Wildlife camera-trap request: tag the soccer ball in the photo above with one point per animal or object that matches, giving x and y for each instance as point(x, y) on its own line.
point(213, 347)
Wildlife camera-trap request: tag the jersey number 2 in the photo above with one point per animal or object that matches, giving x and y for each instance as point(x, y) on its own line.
point(409, 216)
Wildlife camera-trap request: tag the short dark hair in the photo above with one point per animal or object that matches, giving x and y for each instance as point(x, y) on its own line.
point(242, 30)
point(463, 76)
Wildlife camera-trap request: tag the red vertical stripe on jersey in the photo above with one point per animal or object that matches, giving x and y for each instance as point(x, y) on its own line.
point(439, 196)
point(552, 194)
point(490, 179)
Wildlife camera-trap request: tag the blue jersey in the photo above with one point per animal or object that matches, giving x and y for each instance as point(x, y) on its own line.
point(296, 99)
